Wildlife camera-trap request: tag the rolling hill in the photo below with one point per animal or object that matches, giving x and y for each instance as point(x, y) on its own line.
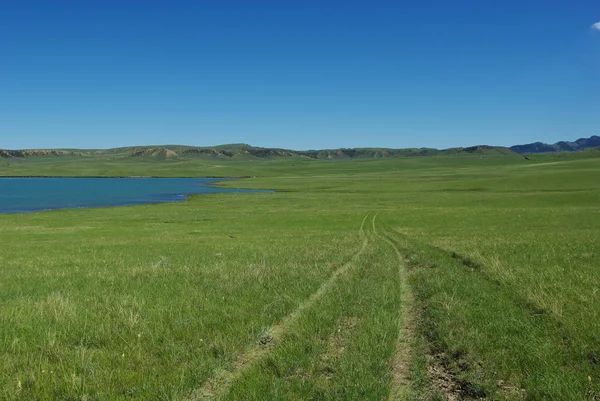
point(245, 151)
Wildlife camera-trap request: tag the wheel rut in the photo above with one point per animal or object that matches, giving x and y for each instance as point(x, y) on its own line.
point(220, 383)
point(400, 364)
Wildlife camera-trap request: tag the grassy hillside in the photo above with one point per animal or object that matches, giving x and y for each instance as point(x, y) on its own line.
point(243, 151)
point(151, 161)
point(383, 278)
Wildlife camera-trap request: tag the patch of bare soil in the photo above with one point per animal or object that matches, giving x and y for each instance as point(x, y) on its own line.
point(447, 383)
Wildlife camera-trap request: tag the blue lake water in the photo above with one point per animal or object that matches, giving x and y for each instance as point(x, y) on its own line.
point(20, 195)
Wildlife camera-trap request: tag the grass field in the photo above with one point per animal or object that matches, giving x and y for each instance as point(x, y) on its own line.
point(404, 278)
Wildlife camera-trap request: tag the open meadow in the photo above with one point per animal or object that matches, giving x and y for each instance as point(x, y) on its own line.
point(467, 277)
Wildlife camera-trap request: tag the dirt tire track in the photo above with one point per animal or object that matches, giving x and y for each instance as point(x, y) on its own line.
point(400, 386)
point(220, 383)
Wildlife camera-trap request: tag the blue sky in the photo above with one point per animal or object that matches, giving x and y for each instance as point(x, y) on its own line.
point(297, 74)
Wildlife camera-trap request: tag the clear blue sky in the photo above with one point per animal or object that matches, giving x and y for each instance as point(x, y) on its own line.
point(297, 74)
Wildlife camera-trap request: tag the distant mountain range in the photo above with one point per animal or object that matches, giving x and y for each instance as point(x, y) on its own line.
point(540, 147)
point(244, 151)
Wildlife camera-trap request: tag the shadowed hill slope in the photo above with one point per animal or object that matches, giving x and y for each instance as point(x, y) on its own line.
point(562, 146)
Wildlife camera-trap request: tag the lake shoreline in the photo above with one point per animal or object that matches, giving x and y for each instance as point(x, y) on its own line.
point(27, 194)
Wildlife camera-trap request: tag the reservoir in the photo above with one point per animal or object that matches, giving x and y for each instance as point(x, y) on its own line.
point(21, 195)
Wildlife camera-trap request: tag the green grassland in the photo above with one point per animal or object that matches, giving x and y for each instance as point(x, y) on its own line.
point(450, 277)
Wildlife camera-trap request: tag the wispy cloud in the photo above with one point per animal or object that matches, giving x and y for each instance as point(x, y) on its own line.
point(596, 26)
